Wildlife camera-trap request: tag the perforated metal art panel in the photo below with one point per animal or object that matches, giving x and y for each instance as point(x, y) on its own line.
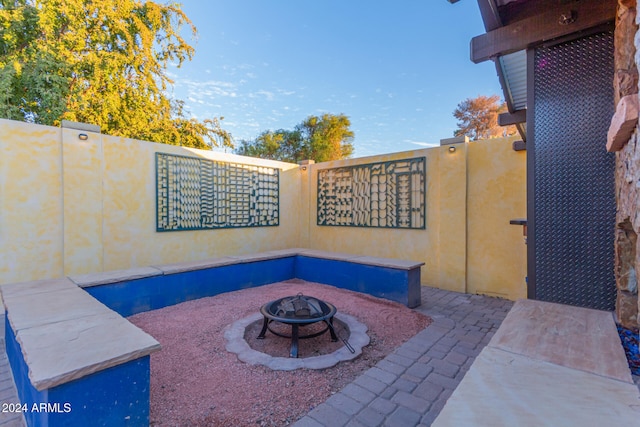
point(199, 194)
point(387, 195)
point(574, 198)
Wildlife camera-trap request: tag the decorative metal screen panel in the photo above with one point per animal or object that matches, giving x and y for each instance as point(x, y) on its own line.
point(198, 194)
point(389, 195)
point(574, 195)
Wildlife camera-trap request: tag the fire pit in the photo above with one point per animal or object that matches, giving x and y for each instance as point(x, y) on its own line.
point(297, 311)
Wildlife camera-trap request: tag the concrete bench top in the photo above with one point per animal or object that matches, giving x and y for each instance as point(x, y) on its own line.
point(97, 279)
point(548, 364)
point(115, 276)
point(573, 337)
point(65, 334)
point(203, 264)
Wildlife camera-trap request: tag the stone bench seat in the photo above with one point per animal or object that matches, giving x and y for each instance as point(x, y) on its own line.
point(141, 289)
point(59, 338)
point(68, 341)
point(548, 364)
point(96, 279)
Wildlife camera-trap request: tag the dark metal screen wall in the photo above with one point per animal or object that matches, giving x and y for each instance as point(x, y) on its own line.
point(388, 195)
point(574, 198)
point(199, 194)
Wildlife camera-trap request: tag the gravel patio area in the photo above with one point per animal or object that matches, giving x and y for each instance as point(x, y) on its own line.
point(196, 382)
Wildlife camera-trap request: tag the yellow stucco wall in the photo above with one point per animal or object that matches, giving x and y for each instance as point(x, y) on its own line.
point(380, 242)
point(467, 245)
point(82, 179)
point(452, 233)
point(441, 245)
point(70, 206)
point(130, 216)
point(496, 250)
point(31, 238)
point(130, 211)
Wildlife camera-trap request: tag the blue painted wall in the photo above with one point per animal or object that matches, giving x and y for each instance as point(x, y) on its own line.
point(117, 396)
point(151, 293)
point(382, 282)
point(26, 392)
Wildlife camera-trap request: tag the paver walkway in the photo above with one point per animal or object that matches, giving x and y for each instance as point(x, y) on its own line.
point(411, 385)
point(407, 388)
point(8, 393)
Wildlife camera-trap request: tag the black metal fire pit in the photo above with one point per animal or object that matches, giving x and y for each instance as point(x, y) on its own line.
point(299, 310)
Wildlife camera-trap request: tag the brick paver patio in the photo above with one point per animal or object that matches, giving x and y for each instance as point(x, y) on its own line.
point(407, 388)
point(8, 393)
point(411, 385)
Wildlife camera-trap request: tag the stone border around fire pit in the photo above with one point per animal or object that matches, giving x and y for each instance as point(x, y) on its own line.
point(234, 335)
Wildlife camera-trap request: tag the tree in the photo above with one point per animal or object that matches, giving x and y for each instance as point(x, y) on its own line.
point(317, 138)
point(478, 118)
point(268, 145)
point(327, 137)
point(101, 62)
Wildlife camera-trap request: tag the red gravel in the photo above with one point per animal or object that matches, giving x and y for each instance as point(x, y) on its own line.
point(196, 382)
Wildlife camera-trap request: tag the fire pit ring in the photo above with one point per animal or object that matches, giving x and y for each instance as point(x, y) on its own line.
point(299, 310)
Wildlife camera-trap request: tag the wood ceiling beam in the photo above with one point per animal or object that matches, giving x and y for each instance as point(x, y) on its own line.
point(490, 15)
point(557, 21)
point(506, 119)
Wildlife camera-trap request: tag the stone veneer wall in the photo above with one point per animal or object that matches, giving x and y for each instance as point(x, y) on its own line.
point(627, 263)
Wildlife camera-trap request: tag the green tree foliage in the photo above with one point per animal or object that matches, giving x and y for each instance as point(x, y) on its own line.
point(101, 62)
point(478, 118)
point(324, 138)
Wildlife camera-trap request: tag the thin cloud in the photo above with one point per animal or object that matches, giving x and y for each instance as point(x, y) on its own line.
point(209, 88)
point(270, 96)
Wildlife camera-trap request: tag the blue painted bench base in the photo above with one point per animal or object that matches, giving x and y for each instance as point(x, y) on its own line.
point(151, 293)
point(117, 396)
point(402, 286)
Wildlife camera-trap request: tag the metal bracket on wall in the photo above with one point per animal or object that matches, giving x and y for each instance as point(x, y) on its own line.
point(519, 146)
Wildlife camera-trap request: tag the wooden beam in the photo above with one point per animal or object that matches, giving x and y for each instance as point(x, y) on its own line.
point(506, 119)
point(558, 21)
point(490, 15)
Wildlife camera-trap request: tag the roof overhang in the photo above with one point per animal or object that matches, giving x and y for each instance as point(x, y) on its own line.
point(514, 26)
point(554, 21)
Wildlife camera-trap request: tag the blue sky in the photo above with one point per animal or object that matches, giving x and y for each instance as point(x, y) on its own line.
point(396, 69)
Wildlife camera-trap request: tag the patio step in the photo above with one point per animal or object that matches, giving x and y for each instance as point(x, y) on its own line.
point(548, 364)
